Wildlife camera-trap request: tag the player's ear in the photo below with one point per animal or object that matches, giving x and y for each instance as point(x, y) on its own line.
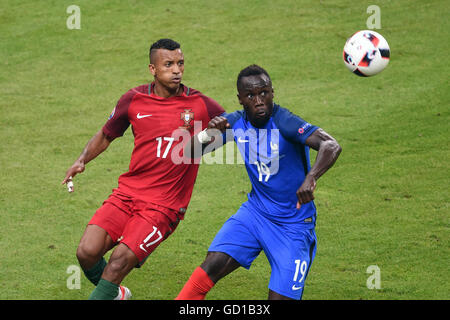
point(239, 99)
point(152, 69)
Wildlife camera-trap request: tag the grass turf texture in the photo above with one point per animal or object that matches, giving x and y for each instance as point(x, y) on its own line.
point(384, 203)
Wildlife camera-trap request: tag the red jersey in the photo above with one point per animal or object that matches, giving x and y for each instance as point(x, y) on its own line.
point(153, 175)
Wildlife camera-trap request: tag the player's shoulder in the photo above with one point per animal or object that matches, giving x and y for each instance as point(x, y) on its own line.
point(127, 97)
point(213, 107)
point(143, 88)
point(233, 117)
point(280, 113)
point(291, 125)
point(191, 92)
point(188, 91)
point(130, 93)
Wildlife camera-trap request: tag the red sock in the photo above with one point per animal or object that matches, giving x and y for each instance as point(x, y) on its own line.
point(196, 287)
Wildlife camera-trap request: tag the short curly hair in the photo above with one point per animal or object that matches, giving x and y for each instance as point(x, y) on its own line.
point(251, 70)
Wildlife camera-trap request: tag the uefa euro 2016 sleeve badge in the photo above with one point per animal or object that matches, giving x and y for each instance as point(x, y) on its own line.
point(187, 116)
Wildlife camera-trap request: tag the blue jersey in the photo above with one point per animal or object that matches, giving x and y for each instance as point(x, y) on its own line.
point(277, 161)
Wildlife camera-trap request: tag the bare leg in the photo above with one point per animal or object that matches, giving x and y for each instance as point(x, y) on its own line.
point(276, 296)
point(218, 264)
point(121, 262)
point(94, 243)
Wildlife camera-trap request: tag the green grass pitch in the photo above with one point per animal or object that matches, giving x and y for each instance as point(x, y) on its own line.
point(384, 203)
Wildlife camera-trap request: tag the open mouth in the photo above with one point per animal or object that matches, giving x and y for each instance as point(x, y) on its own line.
point(260, 112)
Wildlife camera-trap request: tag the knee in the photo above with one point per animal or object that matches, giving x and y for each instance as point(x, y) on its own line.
point(218, 264)
point(88, 253)
point(93, 245)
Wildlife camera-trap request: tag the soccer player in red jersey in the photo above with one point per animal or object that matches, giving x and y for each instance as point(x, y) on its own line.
point(152, 197)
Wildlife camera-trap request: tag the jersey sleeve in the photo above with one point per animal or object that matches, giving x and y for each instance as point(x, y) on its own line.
point(232, 118)
point(213, 107)
point(292, 127)
point(118, 121)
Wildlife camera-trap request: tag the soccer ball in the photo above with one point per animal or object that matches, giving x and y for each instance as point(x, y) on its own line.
point(366, 53)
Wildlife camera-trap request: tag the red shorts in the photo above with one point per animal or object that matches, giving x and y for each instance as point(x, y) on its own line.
point(140, 225)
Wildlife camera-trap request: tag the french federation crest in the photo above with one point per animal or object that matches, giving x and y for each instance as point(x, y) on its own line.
point(187, 116)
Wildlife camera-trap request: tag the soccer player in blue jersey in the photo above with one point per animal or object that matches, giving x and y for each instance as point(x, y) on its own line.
point(279, 216)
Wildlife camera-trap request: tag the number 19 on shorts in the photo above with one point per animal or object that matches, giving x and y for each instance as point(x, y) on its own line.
point(300, 271)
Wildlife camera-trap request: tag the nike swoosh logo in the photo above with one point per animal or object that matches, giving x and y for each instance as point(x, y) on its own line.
point(139, 116)
point(295, 288)
point(240, 140)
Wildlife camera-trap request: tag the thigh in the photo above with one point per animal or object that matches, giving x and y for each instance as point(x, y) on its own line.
point(144, 232)
point(290, 256)
point(95, 241)
point(102, 232)
point(236, 239)
point(113, 216)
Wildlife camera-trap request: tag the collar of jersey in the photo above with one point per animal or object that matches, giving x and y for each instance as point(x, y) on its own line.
point(152, 94)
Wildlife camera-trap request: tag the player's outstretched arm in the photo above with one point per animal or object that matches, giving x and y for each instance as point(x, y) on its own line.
point(98, 143)
point(328, 150)
point(198, 142)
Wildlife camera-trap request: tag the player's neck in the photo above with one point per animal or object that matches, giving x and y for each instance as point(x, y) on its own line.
point(165, 92)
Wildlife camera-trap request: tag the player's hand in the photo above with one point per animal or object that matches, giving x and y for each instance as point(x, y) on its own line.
point(219, 123)
point(77, 167)
point(305, 193)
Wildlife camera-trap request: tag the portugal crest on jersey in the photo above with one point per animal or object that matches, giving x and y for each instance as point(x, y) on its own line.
point(187, 116)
